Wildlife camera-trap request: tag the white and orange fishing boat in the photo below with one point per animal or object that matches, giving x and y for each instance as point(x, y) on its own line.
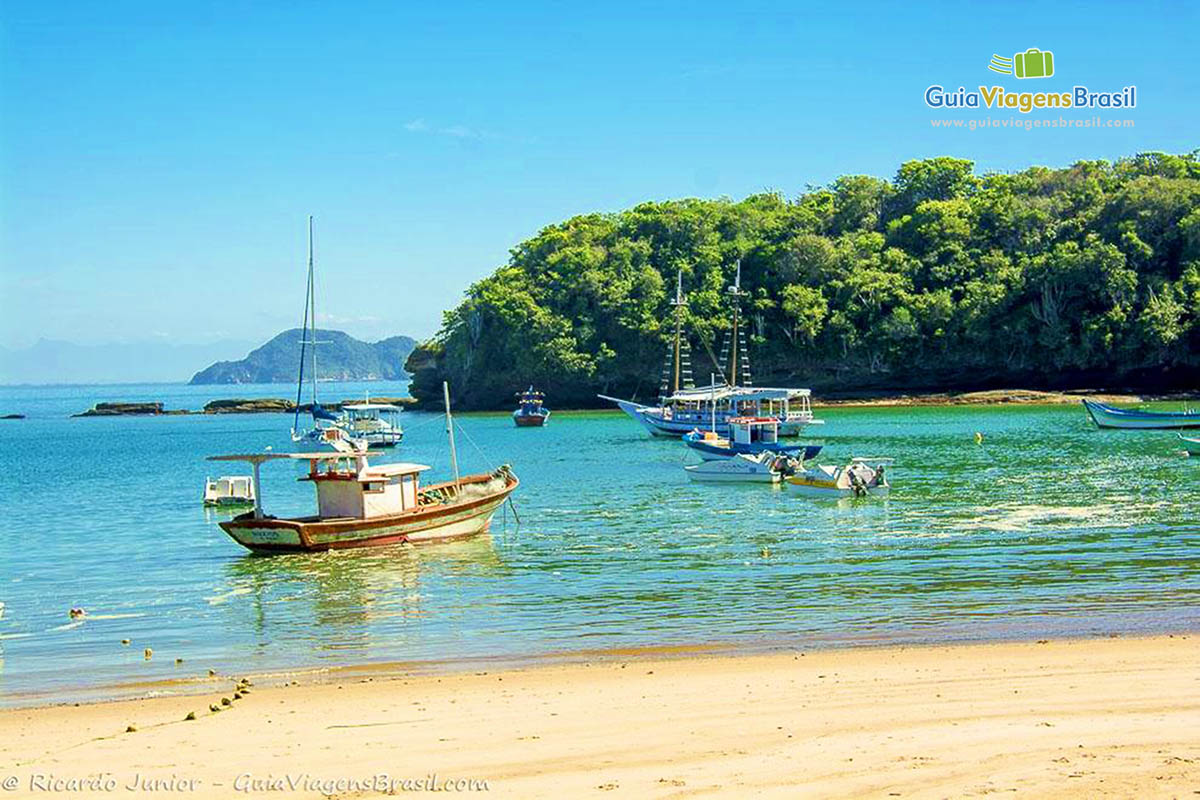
point(359, 505)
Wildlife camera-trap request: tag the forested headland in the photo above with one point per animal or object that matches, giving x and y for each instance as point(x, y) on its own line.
point(1086, 276)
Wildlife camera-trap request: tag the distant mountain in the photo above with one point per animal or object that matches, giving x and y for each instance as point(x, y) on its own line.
point(339, 357)
point(50, 361)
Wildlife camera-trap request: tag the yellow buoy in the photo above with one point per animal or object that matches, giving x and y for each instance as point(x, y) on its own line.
point(978, 437)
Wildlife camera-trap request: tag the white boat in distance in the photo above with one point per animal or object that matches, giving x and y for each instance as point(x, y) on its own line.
point(376, 424)
point(229, 490)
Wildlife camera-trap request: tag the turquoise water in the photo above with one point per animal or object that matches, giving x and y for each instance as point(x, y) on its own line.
point(1049, 528)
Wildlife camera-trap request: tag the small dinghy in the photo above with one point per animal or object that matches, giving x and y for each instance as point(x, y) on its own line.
point(743, 468)
point(1191, 445)
point(862, 477)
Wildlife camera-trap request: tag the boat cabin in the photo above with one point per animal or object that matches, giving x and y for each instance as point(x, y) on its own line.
point(371, 416)
point(348, 487)
point(754, 430)
point(696, 405)
point(530, 401)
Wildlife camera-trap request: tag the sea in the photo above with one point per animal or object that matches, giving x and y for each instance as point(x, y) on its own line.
point(1046, 528)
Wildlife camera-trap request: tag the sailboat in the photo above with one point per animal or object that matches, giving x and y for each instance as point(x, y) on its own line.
point(683, 408)
point(360, 505)
point(308, 348)
point(330, 433)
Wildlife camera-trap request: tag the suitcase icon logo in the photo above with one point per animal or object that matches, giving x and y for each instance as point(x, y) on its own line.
point(1033, 63)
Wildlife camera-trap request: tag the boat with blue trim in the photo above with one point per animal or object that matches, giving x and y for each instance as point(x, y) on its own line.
point(747, 436)
point(531, 413)
point(1106, 416)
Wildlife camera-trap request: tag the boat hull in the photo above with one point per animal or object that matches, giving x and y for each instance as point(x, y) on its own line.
point(1106, 416)
point(530, 420)
point(821, 489)
point(710, 452)
point(466, 517)
point(704, 474)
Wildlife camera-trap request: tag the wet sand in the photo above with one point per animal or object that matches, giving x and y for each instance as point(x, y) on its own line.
point(1086, 718)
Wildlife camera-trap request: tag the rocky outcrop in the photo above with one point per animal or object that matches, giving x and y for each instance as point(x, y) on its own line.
point(259, 405)
point(124, 410)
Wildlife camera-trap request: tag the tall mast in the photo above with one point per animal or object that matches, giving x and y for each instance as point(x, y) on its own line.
point(679, 304)
point(312, 295)
point(735, 292)
point(677, 366)
point(450, 431)
point(303, 335)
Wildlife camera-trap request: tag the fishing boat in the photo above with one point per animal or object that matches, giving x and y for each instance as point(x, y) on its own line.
point(862, 477)
point(375, 424)
point(530, 413)
point(229, 490)
point(747, 435)
point(360, 505)
point(1191, 445)
point(1106, 416)
point(683, 407)
point(763, 467)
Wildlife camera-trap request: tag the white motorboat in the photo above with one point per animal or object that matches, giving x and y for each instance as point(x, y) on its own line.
point(742, 468)
point(229, 490)
point(376, 424)
point(862, 477)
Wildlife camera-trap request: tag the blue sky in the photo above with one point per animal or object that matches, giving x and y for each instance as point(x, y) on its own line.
point(158, 160)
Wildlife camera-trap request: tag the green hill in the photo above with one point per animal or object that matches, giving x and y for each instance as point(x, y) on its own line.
point(339, 357)
point(1080, 277)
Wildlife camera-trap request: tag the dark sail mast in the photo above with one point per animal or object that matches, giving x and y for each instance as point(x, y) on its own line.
point(677, 369)
point(735, 355)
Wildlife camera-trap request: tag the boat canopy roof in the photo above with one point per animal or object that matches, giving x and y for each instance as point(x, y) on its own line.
point(371, 407)
point(740, 393)
point(261, 457)
point(403, 468)
point(367, 471)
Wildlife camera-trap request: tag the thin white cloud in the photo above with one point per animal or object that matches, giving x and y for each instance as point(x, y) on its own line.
point(456, 131)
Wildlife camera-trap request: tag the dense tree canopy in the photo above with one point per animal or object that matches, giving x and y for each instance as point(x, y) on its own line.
point(940, 278)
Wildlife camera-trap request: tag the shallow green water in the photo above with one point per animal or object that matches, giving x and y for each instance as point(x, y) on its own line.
point(1049, 528)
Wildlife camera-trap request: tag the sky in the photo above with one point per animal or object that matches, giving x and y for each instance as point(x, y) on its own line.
point(158, 161)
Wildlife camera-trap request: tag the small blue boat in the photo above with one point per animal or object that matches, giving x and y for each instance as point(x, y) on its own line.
point(749, 436)
point(1106, 416)
point(531, 413)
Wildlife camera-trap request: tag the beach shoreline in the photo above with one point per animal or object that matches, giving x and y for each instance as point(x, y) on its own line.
point(1070, 718)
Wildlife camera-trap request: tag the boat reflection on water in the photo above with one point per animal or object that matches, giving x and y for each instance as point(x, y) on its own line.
point(348, 599)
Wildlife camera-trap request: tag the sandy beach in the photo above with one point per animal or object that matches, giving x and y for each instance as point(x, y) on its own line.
point(1115, 717)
